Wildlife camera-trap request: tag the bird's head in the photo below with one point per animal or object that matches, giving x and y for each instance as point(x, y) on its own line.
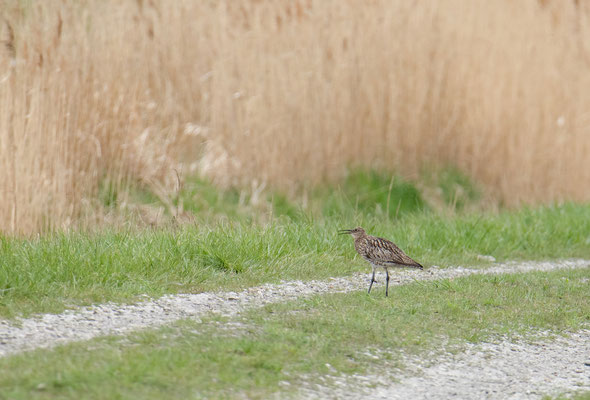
point(356, 232)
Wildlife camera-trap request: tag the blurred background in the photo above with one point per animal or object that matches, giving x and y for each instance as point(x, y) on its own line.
point(104, 104)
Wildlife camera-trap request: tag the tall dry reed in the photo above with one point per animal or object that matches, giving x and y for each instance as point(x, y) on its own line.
point(287, 93)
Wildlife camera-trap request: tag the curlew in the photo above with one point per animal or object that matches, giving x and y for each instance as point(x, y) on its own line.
point(379, 252)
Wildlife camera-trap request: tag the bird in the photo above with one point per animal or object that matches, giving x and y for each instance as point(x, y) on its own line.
point(379, 252)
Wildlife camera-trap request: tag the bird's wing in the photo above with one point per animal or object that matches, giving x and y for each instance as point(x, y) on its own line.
point(384, 251)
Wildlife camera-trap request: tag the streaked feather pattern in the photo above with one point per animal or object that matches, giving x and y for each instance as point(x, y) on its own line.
point(383, 252)
point(379, 252)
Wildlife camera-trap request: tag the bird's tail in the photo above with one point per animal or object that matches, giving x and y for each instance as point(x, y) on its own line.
point(416, 265)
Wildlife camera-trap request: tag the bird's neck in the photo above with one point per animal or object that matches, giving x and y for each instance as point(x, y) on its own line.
point(360, 239)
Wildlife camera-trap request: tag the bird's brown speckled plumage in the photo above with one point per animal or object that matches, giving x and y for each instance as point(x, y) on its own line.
point(382, 252)
point(379, 252)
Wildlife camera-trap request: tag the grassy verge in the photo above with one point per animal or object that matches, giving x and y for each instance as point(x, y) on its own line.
point(235, 241)
point(283, 341)
point(50, 273)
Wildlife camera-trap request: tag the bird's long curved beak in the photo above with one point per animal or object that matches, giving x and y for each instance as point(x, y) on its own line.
point(344, 231)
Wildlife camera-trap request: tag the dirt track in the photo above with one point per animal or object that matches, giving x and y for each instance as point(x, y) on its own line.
point(499, 370)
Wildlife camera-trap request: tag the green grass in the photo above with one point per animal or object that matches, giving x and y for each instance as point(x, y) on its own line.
point(361, 192)
point(230, 246)
point(578, 395)
point(283, 341)
point(368, 193)
point(49, 273)
point(455, 189)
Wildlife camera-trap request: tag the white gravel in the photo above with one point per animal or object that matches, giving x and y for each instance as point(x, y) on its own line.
point(48, 330)
point(505, 370)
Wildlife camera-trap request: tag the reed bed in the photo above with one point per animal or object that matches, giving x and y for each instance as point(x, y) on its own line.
point(264, 93)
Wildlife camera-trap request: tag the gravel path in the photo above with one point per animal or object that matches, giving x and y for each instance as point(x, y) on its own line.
point(504, 370)
point(48, 330)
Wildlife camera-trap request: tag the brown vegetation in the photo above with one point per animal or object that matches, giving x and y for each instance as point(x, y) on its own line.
point(285, 94)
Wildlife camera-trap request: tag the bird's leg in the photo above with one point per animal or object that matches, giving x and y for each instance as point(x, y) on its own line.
point(386, 282)
point(372, 279)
